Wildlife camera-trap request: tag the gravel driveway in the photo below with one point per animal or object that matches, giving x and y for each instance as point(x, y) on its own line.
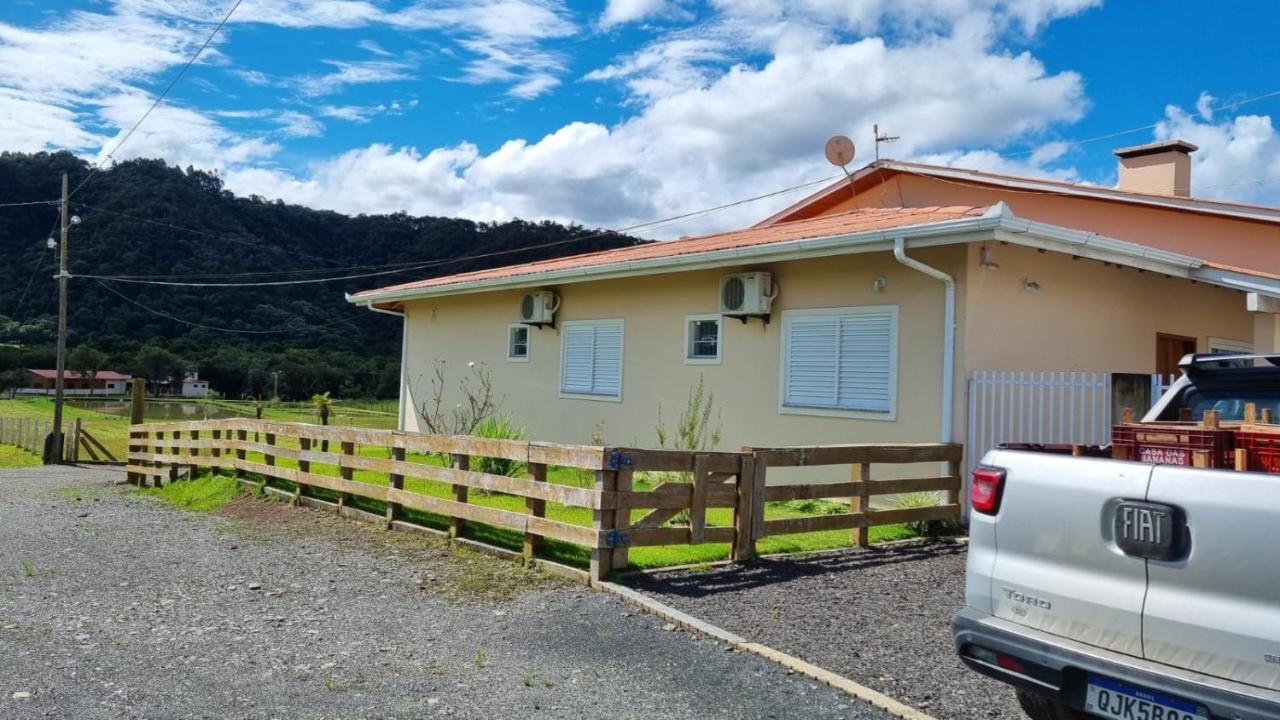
point(114, 605)
point(879, 616)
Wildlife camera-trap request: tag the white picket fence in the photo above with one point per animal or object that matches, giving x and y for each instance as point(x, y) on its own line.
point(1019, 406)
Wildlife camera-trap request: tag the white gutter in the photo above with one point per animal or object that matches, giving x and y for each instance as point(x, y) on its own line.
point(948, 329)
point(404, 354)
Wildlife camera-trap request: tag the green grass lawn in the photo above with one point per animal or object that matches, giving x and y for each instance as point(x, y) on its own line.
point(111, 430)
point(12, 457)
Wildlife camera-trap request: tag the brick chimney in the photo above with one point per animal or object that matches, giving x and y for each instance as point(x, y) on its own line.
point(1159, 168)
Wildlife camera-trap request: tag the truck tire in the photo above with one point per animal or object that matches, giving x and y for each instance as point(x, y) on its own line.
point(1038, 707)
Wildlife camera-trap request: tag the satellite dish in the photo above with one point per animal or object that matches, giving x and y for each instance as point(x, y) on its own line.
point(839, 151)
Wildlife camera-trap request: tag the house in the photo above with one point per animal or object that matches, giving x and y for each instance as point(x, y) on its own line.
point(886, 301)
point(106, 382)
point(193, 386)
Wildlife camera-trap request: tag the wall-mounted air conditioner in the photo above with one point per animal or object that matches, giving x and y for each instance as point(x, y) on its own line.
point(747, 294)
point(539, 308)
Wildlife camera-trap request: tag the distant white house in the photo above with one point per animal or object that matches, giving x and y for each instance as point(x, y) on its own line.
point(193, 386)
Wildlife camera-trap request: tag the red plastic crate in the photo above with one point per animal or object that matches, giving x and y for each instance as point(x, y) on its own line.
point(1263, 449)
point(1173, 444)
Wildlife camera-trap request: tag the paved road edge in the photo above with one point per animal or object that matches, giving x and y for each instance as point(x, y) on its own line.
point(859, 691)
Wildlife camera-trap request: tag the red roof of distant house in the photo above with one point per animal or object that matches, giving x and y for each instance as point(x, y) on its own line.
point(825, 226)
point(72, 374)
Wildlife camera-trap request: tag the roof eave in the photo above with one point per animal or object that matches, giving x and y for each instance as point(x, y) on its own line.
point(863, 241)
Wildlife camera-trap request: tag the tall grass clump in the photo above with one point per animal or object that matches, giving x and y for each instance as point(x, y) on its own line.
point(203, 494)
point(500, 427)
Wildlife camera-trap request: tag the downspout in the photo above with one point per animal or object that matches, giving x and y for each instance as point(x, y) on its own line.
point(948, 330)
point(404, 354)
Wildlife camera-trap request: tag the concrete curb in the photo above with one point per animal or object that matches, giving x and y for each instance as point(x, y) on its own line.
point(670, 614)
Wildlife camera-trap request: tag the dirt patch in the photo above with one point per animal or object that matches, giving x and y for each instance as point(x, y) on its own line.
point(445, 569)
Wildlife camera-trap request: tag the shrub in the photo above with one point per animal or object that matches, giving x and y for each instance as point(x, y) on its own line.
point(499, 427)
point(925, 528)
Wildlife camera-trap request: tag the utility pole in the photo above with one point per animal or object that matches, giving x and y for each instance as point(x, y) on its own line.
point(275, 388)
point(55, 454)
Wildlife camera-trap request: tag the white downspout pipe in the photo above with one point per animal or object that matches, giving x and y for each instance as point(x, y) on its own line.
point(404, 355)
point(948, 330)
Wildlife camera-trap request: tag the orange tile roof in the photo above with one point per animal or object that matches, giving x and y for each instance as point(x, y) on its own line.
point(74, 375)
point(825, 226)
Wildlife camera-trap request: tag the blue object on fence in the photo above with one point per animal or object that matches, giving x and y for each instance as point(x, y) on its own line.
point(617, 460)
point(613, 538)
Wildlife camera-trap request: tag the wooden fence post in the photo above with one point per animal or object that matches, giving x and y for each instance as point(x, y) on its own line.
point(698, 501)
point(304, 467)
point(346, 472)
point(536, 507)
point(137, 411)
point(953, 494)
point(760, 479)
point(603, 521)
point(193, 452)
point(744, 543)
point(861, 503)
point(456, 525)
point(242, 436)
point(267, 459)
point(74, 453)
point(396, 482)
point(622, 521)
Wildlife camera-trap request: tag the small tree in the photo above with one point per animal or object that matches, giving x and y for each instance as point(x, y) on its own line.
point(10, 381)
point(694, 429)
point(87, 361)
point(478, 402)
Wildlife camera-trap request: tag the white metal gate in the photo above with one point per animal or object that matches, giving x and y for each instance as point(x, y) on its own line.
point(1019, 406)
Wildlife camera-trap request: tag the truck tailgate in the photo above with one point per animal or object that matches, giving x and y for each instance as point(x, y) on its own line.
point(1216, 610)
point(1057, 567)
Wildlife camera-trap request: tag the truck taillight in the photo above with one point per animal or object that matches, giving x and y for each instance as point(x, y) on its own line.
point(988, 483)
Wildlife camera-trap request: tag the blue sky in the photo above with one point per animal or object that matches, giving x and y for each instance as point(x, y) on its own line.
point(614, 112)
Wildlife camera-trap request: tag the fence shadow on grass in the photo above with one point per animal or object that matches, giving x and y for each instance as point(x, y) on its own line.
point(771, 570)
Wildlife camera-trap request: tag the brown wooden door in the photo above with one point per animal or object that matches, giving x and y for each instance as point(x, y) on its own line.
point(1169, 352)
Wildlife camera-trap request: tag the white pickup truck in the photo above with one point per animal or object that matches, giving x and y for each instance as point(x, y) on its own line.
point(1129, 590)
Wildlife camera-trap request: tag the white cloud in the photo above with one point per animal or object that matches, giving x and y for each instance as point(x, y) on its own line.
point(1239, 157)
point(362, 72)
point(181, 136)
point(710, 138)
point(298, 125)
point(619, 12)
point(373, 47)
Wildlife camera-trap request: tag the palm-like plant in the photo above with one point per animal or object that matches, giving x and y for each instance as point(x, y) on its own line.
point(323, 405)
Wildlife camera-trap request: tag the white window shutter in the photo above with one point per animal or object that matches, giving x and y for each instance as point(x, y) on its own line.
point(866, 353)
point(575, 369)
point(811, 362)
point(592, 358)
point(841, 360)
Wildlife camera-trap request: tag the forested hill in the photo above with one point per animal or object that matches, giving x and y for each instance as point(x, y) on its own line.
point(143, 218)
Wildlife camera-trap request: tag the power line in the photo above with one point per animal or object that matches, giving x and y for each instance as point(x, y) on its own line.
point(35, 271)
point(227, 237)
point(215, 328)
point(160, 99)
point(28, 204)
point(148, 280)
point(1154, 125)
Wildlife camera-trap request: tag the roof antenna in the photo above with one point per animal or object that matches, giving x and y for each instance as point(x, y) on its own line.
point(840, 153)
point(875, 129)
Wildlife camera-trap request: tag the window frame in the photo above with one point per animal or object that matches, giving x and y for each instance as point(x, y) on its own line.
point(686, 352)
point(1228, 346)
point(622, 357)
point(789, 316)
point(528, 342)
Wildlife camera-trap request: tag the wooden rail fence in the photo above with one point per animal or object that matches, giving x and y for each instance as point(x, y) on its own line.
point(30, 434)
point(624, 513)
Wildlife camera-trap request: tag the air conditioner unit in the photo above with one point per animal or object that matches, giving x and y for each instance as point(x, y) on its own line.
point(750, 293)
point(539, 307)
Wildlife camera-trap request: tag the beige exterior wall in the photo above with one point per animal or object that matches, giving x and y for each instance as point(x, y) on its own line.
point(1086, 315)
point(473, 328)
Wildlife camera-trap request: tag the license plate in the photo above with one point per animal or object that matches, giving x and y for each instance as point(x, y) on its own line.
point(1121, 701)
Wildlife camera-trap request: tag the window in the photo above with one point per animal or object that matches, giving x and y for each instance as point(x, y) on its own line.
point(518, 343)
point(1222, 346)
point(702, 340)
point(840, 361)
point(591, 359)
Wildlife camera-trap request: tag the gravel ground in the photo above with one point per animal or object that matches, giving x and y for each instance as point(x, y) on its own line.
point(114, 605)
point(880, 616)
